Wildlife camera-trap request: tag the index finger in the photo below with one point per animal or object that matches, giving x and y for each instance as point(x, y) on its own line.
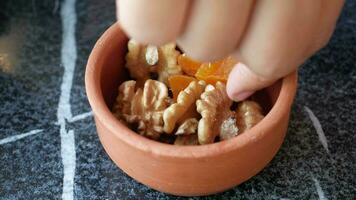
point(152, 22)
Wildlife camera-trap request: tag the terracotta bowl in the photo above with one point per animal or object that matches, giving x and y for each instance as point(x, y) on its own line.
point(181, 170)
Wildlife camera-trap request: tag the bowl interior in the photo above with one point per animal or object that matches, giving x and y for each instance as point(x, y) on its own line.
point(105, 72)
point(181, 169)
point(114, 73)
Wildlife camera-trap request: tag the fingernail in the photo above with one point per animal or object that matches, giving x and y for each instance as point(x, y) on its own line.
point(242, 95)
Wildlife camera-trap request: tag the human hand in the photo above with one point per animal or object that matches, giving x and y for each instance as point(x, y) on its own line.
point(269, 38)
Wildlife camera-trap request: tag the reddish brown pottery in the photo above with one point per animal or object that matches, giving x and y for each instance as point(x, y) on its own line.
point(181, 170)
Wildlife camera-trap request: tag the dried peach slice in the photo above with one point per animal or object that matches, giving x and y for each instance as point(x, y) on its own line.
point(215, 71)
point(178, 83)
point(188, 65)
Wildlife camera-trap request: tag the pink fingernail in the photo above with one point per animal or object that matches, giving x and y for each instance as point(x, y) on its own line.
point(242, 95)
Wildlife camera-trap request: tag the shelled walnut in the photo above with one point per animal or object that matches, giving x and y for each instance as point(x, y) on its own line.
point(143, 107)
point(195, 113)
point(248, 114)
point(167, 63)
point(188, 127)
point(181, 110)
point(214, 107)
point(143, 61)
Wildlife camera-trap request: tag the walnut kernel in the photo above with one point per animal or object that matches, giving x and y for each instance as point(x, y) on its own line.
point(185, 101)
point(214, 107)
point(248, 114)
point(143, 107)
point(143, 60)
point(188, 127)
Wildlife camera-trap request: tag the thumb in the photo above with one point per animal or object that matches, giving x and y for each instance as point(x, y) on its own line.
point(243, 82)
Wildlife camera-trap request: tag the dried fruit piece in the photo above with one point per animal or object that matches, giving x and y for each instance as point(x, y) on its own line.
point(143, 108)
point(142, 61)
point(215, 71)
point(248, 114)
point(214, 107)
point(184, 140)
point(185, 101)
point(188, 127)
point(178, 83)
point(188, 65)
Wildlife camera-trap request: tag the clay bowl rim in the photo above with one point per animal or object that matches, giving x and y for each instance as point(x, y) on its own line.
point(102, 113)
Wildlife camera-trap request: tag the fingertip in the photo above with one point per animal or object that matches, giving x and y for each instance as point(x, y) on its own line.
point(240, 96)
point(243, 82)
point(154, 22)
point(233, 87)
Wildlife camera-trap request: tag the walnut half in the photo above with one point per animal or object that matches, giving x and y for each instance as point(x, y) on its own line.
point(188, 127)
point(143, 108)
point(214, 107)
point(248, 114)
point(143, 61)
point(185, 102)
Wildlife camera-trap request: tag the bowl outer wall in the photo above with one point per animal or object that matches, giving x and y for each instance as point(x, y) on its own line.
point(181, 170)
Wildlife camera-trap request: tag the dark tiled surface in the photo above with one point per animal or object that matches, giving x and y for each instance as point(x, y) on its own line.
point(31, 75)
point(31, 36)
point(93, 19)
point(30, 167)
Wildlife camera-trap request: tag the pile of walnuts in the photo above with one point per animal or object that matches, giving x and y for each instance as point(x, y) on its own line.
point(201, 114)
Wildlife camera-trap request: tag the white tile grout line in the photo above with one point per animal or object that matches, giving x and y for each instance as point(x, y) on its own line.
point(318, 128)
point(319, 189)
point(34, 132)
point(80, 116)
point(68, 60)
point(19, 136)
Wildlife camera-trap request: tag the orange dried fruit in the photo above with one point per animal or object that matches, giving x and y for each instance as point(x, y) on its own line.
point(177, 83)
point(188, 65)
point(215, 71)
